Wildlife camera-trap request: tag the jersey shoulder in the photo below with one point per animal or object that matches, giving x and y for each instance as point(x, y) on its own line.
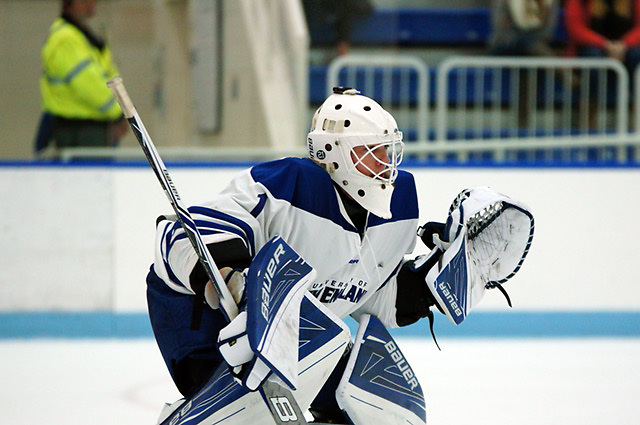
point(292, 179)
point(304, 185)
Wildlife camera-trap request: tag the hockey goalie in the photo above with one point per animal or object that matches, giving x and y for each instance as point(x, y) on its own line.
point(303, 243)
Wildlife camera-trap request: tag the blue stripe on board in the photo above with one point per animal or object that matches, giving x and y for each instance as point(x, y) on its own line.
point(532, 325)
point(74, 325)
point(477, 325)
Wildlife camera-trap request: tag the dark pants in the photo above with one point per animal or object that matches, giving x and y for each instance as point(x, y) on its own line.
point(190, 355)
point(522, 43)
point(631, 61)
point(631, 58)
point(70, 133)
point(324, 407)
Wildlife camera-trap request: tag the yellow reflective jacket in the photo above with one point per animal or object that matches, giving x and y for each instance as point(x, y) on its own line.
point(74, 83)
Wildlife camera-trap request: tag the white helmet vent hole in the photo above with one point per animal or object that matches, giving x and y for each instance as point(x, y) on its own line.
point(383, 187)
point(338, 106)
point(367, 108)
point(328, 147)
point(361, 192)
point(347, 123)
point(336, 165)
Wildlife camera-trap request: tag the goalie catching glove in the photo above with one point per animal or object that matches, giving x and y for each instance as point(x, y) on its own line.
point(484, 243)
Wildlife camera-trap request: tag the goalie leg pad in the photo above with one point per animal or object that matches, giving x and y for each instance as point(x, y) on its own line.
point(221, 401)
point(379, 386)
point(323, 339)
point(277, 281)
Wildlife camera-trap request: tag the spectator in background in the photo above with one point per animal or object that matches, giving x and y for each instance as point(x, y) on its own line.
point(605, 28)
point(79, 108)
point(601, 29)
point(340, 14)
point(523, 27)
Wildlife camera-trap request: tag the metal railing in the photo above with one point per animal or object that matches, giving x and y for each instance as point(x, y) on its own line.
point(544, 108)
point(518, 102)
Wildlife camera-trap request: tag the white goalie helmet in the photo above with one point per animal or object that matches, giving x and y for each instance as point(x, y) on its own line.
point(360, 146)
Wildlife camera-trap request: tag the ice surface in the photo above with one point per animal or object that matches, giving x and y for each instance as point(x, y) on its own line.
point(470, 382)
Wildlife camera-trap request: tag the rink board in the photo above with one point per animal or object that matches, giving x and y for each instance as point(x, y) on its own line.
point(78, 241)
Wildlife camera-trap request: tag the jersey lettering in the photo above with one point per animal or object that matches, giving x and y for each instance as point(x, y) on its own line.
point(330, 294)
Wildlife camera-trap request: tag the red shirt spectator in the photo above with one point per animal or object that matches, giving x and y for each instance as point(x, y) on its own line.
point(607, 24)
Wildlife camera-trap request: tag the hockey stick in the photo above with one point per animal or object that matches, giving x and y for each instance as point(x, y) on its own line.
point(274, 393)
point(227, 303)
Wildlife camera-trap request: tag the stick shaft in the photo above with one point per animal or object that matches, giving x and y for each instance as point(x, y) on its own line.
point(227, 303)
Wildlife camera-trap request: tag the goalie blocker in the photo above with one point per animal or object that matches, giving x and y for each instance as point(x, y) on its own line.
point(487, 237)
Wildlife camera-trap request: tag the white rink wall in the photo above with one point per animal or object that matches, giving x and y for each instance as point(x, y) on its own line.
point(80, 238)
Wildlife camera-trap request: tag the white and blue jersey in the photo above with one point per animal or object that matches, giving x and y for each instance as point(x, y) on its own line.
point(297, 200)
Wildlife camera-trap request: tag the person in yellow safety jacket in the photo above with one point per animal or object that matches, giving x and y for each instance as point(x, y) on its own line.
point(79, 108)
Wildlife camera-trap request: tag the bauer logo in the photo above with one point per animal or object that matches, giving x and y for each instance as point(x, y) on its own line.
point(401, 364)
point(272, 267)
point(310, 146)
point(449, 298)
